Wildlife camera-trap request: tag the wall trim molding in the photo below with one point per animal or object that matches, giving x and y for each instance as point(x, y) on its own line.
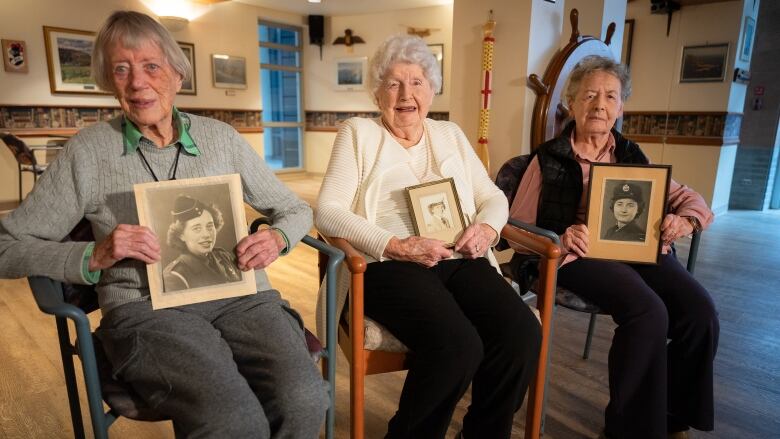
point(329, 121)
point(58, 120)
point(713, 128)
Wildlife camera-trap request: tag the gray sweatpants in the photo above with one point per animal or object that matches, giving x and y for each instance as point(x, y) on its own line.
point(232, 368)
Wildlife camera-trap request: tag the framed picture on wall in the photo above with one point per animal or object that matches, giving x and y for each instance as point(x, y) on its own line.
point(704, 63)
point(229, 71)
point(69, 57)
point(747, 39)
point(626, 204)
point(438, 53)
point(15, 56)
point(628, 38)
point(189, 87)
point(203, 220)
point(351, 73)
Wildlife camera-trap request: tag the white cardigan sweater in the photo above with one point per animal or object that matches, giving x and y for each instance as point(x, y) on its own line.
point(363, 152)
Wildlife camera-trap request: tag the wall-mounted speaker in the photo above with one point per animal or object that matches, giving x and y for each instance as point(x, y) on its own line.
point(316, 29)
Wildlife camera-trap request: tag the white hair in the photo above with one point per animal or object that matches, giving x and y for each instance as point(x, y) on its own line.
point(132, 29)
point(403, 49)
point(596, 63)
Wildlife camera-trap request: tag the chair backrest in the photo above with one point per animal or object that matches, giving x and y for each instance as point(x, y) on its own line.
point(20, 150)
point(508, 180)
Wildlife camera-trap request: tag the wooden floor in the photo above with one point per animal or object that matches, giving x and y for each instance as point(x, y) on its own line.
point(739, 262)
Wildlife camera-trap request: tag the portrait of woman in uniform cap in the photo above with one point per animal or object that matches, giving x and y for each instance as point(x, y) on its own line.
point(627, 205)
point(193, 232)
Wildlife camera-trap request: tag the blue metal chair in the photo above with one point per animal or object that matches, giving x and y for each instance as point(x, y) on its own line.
point(74, 302)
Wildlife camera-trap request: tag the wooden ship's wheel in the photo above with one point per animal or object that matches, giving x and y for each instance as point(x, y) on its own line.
point(550, 112)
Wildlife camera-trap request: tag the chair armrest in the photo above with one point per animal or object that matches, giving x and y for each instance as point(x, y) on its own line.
point(50, 300)
point(693, 251)
point(356, 262)
point(542, 242)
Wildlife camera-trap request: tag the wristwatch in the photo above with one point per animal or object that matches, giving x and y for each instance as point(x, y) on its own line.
point(694, 223)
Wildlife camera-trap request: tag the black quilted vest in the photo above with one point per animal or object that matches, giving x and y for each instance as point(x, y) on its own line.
point(562, 178)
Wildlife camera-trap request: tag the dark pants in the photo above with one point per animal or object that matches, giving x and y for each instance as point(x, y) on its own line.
point(654, 387)
point(232, 368)
point(463, 322)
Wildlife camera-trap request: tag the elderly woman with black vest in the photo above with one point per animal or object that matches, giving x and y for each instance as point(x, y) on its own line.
point(656, 388)
point(449, 306)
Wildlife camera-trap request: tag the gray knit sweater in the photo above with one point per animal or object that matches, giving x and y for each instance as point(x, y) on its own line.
point(92, 177)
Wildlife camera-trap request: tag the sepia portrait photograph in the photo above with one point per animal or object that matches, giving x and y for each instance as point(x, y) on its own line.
point(624, 211)
point(435, 210)
point(198, 222)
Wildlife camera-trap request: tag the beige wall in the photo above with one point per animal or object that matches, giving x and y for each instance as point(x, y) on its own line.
point(319, 93)
point(655, 71)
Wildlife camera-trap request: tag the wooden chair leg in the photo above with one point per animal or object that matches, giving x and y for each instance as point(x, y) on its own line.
point(357, 400)
point(589, 338)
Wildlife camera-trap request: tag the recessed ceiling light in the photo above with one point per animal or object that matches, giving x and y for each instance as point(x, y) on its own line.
point(315, 1)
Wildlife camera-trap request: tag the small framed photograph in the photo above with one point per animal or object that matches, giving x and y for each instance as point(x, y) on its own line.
point(351, 73)
point(438, 52)
point(229, 71)
point(190, 86)
point(747, 39)
point(69, 57)
point(626, 205)
point(436, 211)
point(15, 56)
point(704, 63)
point(199, 222)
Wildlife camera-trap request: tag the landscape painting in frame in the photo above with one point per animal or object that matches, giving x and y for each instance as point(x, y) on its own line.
point(69, 58)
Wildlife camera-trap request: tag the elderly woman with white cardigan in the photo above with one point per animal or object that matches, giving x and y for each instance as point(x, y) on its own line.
point(449, 306)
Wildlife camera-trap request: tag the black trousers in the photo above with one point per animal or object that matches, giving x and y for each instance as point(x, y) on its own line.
point(654, 387)
point(463, 323)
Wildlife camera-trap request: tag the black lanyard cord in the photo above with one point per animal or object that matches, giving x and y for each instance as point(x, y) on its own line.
point(149, 167)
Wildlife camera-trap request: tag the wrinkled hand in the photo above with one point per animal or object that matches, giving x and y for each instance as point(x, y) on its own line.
point(673, 227)
point(424, 251)
point(125, 241)
point(259, 249)
point(475, 240)
point(575, 239)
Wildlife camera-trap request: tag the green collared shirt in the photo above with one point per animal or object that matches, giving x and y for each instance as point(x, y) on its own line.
point(131, 137)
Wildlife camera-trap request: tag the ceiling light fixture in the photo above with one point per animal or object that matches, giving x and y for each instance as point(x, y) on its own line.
point(315, 1)
point(173, 23)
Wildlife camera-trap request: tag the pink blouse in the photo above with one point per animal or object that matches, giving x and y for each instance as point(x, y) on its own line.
point(682, 200)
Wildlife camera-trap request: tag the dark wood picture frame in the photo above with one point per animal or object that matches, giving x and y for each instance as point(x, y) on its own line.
point(705, 63)
point(190, 86)
point(637, 240)
point(628, 41)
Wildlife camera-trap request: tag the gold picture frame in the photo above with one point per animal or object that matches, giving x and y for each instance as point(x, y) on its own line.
point(69, 59)
point(436, 211)
point(626, 205)
point(175, 210)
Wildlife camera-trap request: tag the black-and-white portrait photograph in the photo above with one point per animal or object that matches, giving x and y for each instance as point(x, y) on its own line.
point(624, 210)
point(198, 230)
point(436, 212)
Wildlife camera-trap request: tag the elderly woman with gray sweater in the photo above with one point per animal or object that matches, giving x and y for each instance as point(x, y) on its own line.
point(449, 306)
point(231, 368)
